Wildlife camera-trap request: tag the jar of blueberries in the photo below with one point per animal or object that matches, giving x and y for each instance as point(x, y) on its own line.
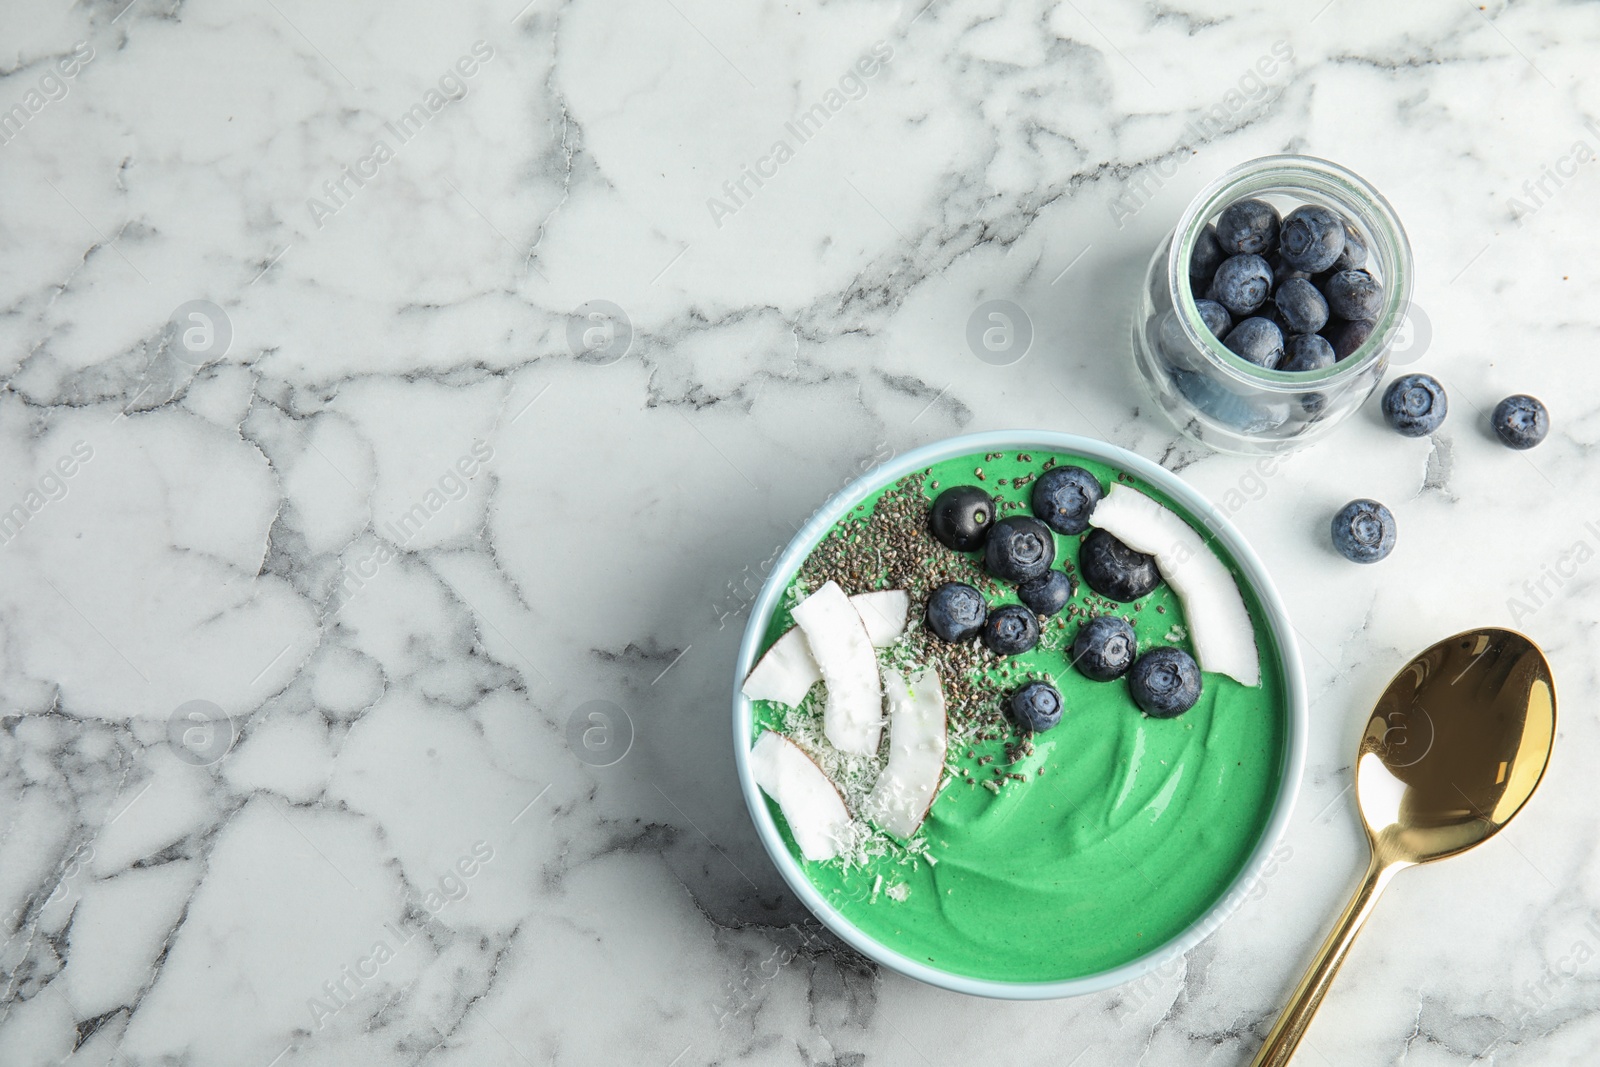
point(1268, 313)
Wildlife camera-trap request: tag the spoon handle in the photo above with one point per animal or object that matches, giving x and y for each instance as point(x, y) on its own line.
point(1291, 1025)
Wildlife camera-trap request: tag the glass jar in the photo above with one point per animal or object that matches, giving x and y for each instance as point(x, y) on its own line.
point(1226, 402)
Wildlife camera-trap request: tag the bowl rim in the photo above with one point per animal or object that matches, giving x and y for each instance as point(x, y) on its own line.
point(1296, 715)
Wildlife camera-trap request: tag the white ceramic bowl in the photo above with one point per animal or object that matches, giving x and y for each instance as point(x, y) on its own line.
point(1295, 725)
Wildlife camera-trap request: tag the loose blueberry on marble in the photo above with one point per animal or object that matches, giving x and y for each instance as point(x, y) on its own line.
point(1165, 682)
point(1347, 335)
point(1306, 352)
point(1354, 294)
point(1415, 404)
point(1354, 256)
point(1019, 549)
point(961, 517)
point(1205, 260)
point(1114, 570)
point(1036, 707)
point(1364, 531)
point(1010, 630)
point(1048, 594)
point(1241, 284)
point(1104, 648)
point(1303, 308)
point(1063, 498)
point(1215, 316)
point(956, 612)
point(1311, 238)
point(1248, 227)
point(1258, 340)
point(1520, 421)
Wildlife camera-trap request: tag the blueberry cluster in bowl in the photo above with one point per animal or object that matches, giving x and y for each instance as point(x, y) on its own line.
point(1290, 293)
point(1021, 550)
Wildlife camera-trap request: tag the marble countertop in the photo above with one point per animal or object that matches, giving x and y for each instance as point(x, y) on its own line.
point(402, 403)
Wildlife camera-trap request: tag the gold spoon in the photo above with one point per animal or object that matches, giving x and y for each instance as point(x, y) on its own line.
point(1456, 745)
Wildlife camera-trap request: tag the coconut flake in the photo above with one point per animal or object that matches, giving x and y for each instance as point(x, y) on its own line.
point(786, 673)
point(884, 614)
point(788, 670)
point(910, 780)
point(810, 803)
point(1224, 637)
point(853, 717)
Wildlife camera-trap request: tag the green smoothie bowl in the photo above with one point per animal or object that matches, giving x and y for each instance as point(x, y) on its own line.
point(1019, 714)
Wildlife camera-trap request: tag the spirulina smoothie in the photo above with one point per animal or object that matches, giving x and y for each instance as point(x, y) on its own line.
point(1044, 855)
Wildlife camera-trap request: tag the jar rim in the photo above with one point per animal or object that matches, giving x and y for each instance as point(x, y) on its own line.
point(1324, 181)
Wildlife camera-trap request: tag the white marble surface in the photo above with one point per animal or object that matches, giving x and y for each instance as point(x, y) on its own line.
point(209, 910)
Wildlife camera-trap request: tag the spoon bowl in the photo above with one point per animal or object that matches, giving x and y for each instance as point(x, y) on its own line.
point(1455, 746)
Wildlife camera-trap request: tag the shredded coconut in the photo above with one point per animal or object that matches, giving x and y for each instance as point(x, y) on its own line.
point(856, 775)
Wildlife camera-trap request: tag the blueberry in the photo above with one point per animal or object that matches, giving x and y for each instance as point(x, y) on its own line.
point(1521, 421)
point(1311, 238)
point(1171, 342)
point(1207, 256)
point(1303, 308)
point(1282, 272)
point(1248, 227)
point(1049, 594)
point(1063, 498)
point(1305, 352)
point(1270, 312)
point(961, 517)
point(1364, 531)
point(1414, 405)
point(1104, 648)
point(1165, 682)
point(1229, 408)
point(1354, 256)
point(1114, 570)
point(1258, 340)
point(1241, 284)
point(1036, 706)
point(1354, 294)
point(1215, 316)
point(1346, 336)
point(1010, 630)
point(1019, 549)
point(956, 611)
point(1308, 352)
